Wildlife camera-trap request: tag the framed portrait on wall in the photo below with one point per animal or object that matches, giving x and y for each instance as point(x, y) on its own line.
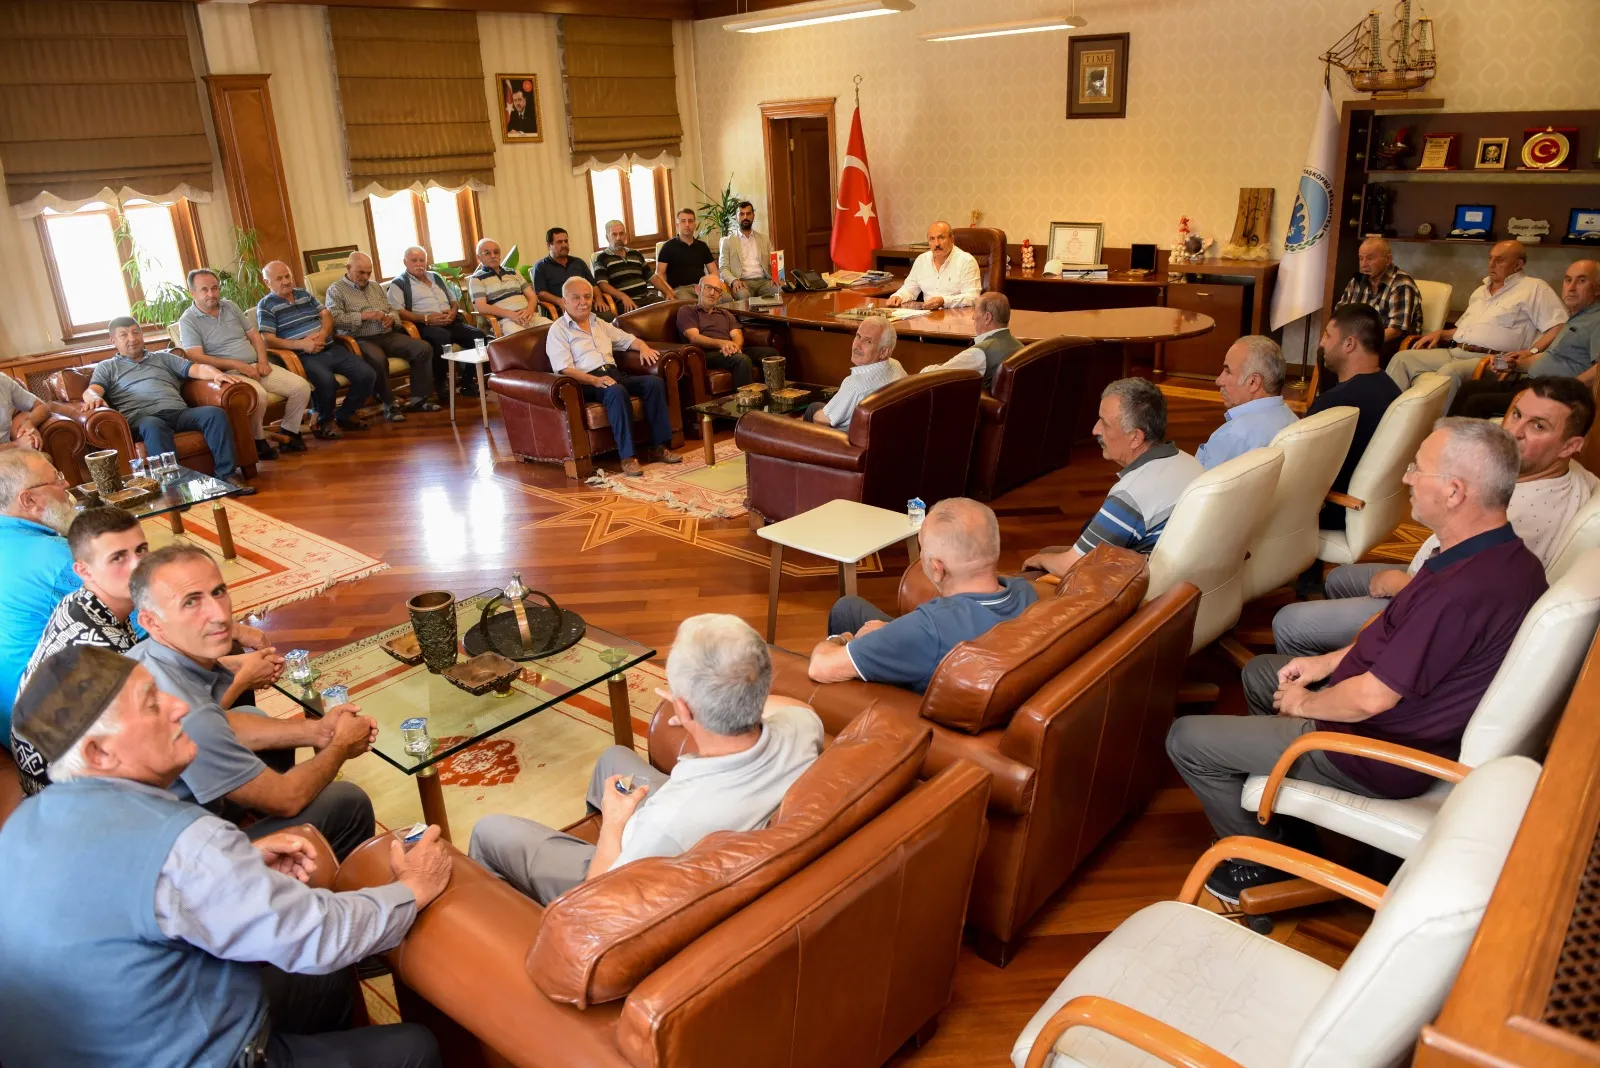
point(1097, 76)
point(519, 108)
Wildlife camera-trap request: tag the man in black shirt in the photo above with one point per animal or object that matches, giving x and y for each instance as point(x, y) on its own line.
point(684, 260)
point(1352, 344)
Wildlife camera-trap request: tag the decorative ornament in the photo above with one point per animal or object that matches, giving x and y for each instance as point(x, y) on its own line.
point(1027, 255)
point(1547, 149)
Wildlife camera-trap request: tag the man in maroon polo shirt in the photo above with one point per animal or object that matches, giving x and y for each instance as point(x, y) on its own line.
point(1414, 676)
point(716, 332)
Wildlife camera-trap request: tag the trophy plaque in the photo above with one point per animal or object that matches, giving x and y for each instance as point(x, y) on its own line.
point(1438, 152)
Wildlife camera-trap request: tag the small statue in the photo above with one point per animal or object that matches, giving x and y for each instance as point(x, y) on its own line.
point(1376, 212)
point(1395, 146)
point(1027, 255)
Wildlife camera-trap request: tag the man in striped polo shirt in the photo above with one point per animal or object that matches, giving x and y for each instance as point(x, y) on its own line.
point(292, 319)
point(622, 273)
point(501, 294)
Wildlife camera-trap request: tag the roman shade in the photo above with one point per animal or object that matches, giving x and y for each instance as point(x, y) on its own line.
point(621, 89)
point(97, 94)
point(412, 96)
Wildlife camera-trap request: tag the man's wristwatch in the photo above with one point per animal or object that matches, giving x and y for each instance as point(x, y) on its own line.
point(1534, 350)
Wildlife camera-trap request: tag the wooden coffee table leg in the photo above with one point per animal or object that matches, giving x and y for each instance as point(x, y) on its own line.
point(772, 591)
point(621, 711)
point(450, 365)
point(219, 516)
point(483, 396)
point(706, 442)
point(175, 521)
point(914, 548)
point(432, 794)
point(847, 579)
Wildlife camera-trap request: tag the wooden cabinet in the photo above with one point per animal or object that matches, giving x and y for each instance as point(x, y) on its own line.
point(1226, 304)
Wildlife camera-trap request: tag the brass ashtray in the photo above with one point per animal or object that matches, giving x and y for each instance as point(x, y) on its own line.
point(404, 647)
point(484, 672)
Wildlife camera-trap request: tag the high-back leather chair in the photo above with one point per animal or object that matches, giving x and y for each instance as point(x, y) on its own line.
point(988, 246)
point(1177, 977)
point(545, 414)
point(1026, 421)
point(912, 438)
point(1208, 533)
point(1313, 451)
point(658, 324)
point(1435, 303)
point(1376, 483)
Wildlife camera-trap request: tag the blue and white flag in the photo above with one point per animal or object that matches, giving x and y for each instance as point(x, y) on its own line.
point(1303, 274)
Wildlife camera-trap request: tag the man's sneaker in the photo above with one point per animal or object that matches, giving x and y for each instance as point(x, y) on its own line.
point(295, 443)
point(393, 413)
point(422, 404)
point(659, 454)
point(1232, 876)
point(631, 468)
point(241, 488)
point(264, 449)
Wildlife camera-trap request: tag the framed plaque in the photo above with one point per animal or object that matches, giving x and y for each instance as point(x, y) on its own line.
point(1076, 244)
point(1583, 227)
point(1473, 222)
point(1438, 152)
point(1097, 76)
point(1491, 153)
point(1549, 149)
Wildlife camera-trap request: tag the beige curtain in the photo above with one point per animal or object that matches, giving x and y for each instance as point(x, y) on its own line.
point(412, 93)
point(621, 91)
point(97, 94)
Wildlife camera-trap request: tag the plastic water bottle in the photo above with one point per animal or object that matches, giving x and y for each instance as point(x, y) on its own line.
point(481, 346)
point(916, 511)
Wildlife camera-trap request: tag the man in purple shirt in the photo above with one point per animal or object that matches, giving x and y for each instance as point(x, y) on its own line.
point(716, 333)
point(1413, 676)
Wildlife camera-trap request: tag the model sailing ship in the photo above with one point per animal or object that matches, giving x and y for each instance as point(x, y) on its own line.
point(1405, 63)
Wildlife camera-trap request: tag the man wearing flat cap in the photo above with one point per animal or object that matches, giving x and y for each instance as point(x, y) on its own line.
point(141, 930)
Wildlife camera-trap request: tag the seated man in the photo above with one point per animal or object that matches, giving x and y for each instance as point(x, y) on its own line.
point(360, 310)
point(745, 754)
point(871, 369)
point(584, 348)
point(1548, 419)
point(745, 258)
point(1352, 348)
point(1385, 288)
point(1132, 431)
point(1251, 384)
point(291, 318)
point(421, 298)
point(145, 386)
point(1414, 677)
point(193, 930)
point(992, 341)
point(1571, 354)
point(500, 294)
point(184, 604)
point(718, 334)
point(552, 272)
point(213, 331)
point(21, 416)
point(942, 277)
point(622, 273)
point(960, 551)
point(35, 515)
point(106, 545)
point(684, 259)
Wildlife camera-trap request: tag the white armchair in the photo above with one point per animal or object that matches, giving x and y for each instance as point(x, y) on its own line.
point(1313, 451)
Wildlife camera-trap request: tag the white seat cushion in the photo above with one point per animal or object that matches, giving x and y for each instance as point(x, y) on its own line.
point(1241, 994)
point(1392, 826)
point(1333, 547)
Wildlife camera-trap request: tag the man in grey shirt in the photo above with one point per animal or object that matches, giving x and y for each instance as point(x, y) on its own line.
point(362, 310)
point(21, 415)
point(144, 385)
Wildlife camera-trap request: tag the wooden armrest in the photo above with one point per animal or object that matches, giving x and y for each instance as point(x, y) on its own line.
point(410, 329)
point(290, 360)
point(1133, 1027)
point(348, 342)
point(1375, 749)
point(1324, 873)
point(551, 311)
point(1344, 500)
point(1407, 341)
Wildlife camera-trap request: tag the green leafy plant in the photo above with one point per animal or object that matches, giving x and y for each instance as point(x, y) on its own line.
point(717, 212)
point(164, 303)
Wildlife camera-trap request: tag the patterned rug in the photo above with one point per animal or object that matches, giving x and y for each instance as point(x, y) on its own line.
point(715, 492)
point(275, 562)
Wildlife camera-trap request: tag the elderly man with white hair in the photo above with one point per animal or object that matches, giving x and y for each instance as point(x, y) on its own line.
point(35, 515)
point(745, 752)
point(1251, 384)
point(501, 294)
point(871, 369)
point(1381, 285)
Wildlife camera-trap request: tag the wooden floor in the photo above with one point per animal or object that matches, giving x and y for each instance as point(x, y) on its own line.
point(447, 508)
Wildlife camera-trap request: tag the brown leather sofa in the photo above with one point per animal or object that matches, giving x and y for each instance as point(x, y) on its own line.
point(1027, 424)
point(988, 247)
point(658, 324)
point(105, 428)
point(65, 441)
point(923, 425)
point(1067, 707)
point(545, 414)
point(828, 938)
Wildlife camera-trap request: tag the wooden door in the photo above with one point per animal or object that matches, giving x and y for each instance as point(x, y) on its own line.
point(811, 192)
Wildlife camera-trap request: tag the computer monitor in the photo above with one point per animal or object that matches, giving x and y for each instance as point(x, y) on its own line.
point(1143, 258)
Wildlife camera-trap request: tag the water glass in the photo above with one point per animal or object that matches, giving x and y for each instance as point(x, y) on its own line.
point(334, 696)
point(169, 463)
point(136, 467)
point(414, 736)
point(297, 665)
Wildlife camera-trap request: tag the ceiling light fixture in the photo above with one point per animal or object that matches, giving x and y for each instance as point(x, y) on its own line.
point(815, 13)
point(1006, 29)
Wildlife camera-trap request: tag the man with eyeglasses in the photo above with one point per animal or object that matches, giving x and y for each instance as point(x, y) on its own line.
point(34, 516)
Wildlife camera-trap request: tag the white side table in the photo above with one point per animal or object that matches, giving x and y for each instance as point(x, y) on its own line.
point(477, 359)
point(843, 531)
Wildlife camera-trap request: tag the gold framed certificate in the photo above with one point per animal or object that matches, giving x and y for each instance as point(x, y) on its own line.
point(1438, 152)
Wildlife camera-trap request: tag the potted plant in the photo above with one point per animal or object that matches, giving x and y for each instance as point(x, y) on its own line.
point(718, 212)
point(241, 281)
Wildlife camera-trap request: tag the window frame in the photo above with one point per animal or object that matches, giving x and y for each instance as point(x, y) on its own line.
point(191, 253)
point(466, 209)
point(662, 177)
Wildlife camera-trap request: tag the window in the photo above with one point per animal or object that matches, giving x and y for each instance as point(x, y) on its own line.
point(640, 197)
point(443, 221)
point(85, 250)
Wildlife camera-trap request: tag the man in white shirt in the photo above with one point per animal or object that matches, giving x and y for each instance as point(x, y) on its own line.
point(942, 277)
point(745, 753)
point(584, 346)
point(1511, 312)
point(872, 369)
point(745, 259)
point(991, 321)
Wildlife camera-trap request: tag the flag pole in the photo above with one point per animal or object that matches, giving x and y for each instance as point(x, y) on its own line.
point(858, 90)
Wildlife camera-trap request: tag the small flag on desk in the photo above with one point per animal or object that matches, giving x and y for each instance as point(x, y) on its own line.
point(1304, 270)
point(855, 215)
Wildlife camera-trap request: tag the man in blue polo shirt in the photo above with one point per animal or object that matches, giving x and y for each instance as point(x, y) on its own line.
point(960, 551)
point(293, 319)
point(1413, 677)
point(34, 516)
point(1251, 384)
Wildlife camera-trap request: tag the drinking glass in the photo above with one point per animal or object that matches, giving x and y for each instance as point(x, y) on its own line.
point(334, 696)
point(136, 467)
point(297, 664)
point(169, 463)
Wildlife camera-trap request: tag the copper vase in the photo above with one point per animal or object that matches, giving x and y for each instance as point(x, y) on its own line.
point(774, 373)
point(433, 617)
point(105, 468)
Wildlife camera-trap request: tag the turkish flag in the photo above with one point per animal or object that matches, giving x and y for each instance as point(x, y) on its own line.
point(855, 215)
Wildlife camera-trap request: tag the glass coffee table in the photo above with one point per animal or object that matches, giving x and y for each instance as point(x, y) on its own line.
point(180, 491)
point(391, 692)
point(733, 406)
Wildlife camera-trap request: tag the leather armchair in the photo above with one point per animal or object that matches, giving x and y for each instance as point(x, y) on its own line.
point(105, 428)
point(658, 324)
point(1026, 424)
point(65, 441)
point(988, 247)
point(924, 426)
point(1186, 986)
point(545, 414)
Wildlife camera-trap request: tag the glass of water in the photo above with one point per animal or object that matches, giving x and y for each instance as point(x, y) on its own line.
point(297, 665)
point(136, 467)
point(169, 463)
point(334, 696)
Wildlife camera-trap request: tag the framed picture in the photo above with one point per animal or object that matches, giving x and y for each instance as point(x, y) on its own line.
point(519, 108)
point(1492, 153)
point(1474, 222)
point(323, 259)
point(1097, 76)
point(1076, 244)
point(1583, 226)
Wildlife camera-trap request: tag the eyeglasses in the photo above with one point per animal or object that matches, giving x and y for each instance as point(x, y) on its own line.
point(1411, 469)
point(59, 480)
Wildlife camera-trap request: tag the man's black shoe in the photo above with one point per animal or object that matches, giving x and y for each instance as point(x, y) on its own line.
point(264, 449)
point(1232, 876)
point(296, 443)
point(353, 424)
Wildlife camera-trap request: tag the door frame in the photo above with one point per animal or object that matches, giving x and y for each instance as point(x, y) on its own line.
point(776, 150)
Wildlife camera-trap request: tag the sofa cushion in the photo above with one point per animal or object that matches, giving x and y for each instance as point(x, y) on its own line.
point(603, 937)
point(594, 415)
point(718, 382)
point(980, 683)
